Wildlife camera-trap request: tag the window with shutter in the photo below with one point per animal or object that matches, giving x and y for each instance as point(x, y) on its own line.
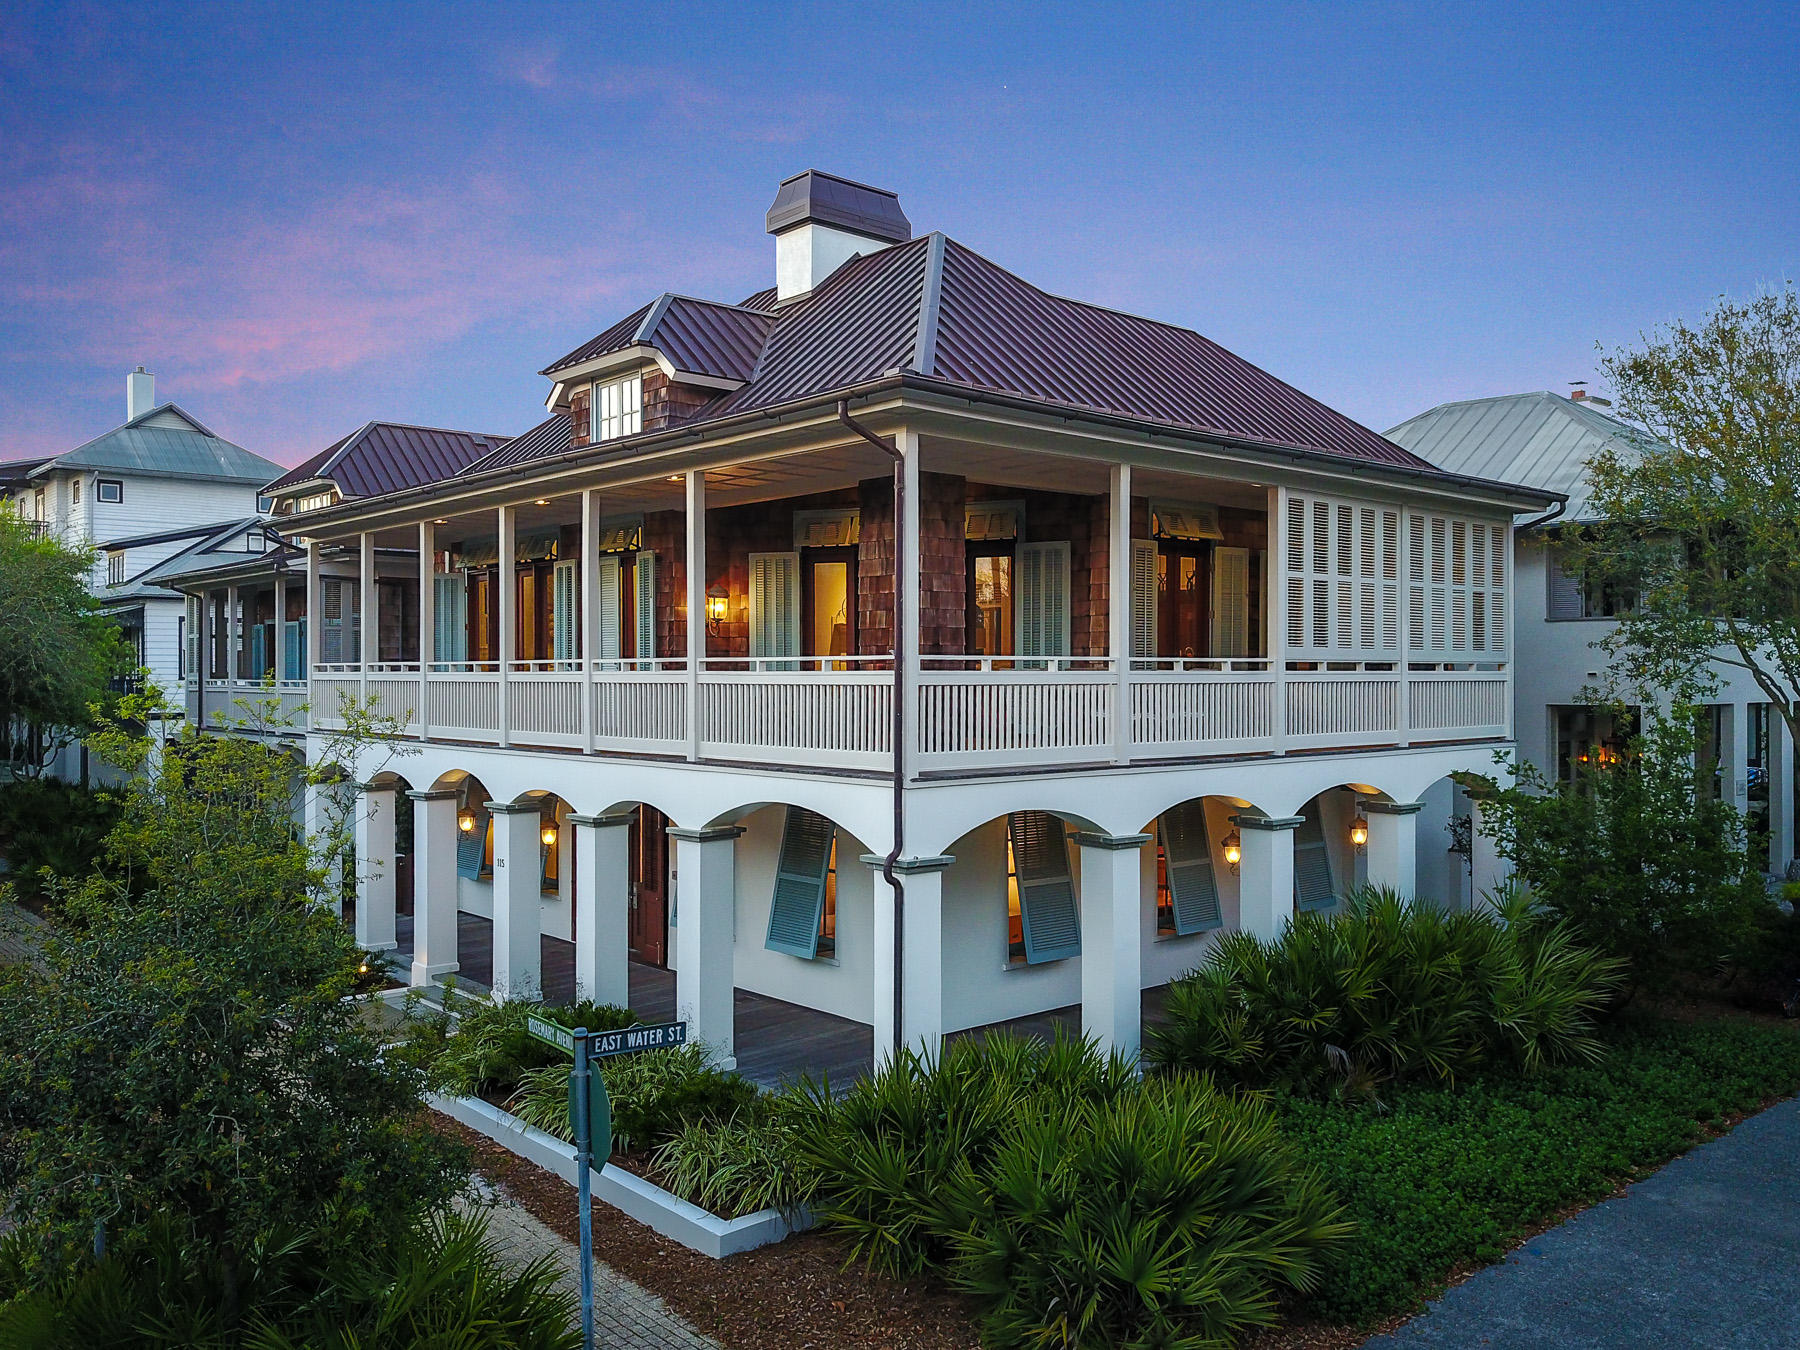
point(644, 585)
point(1049, 919)
point(1188, 868)
point(293, 649)
point(563, 589)
point(775, 607)
point(1313, 884)
point(1564, 600)
point(606, 587)
point(450, 617)
point(1231, 601)
point(798, 904)
point(1143, 598)
point(1044, 599)
point(331, 621)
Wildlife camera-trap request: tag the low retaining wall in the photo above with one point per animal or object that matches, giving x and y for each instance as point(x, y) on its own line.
point(649, 1204)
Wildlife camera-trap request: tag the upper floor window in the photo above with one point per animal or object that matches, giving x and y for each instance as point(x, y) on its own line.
point(115, 568)
point(109, 490)
point(37, 509)
point(618, 408)
point(316, 501)
point(75, 492)
point(1573, 596)
point(254, 542)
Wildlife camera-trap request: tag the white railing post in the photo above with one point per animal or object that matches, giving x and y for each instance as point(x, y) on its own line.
point(1275, 607)
point(427, 621)
point(311, 655)
point(590, 610)
point(1118, 609)
point(696, 602)
point(367, 613)
point(508, 585)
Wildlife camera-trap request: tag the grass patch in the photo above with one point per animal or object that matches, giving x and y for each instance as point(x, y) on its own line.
point(1438, 1178)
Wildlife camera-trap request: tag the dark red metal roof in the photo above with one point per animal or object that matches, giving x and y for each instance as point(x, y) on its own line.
point(552, 436)
point(619, 336)
point(388, 456)
point(699, 336)
point(763, 300)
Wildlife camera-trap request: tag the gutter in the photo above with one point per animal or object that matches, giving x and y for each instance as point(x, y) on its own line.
point(898, 732)
point(1544, 519)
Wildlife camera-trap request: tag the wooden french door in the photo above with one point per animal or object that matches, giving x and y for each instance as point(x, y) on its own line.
point(1183, 599)
point(650, 887)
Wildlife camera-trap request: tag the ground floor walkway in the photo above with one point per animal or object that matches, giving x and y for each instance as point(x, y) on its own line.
point(1699, 1256)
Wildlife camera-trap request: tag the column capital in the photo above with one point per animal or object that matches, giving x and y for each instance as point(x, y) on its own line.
point(709, 834)
point(434, 795)
point(907, 866)
point(604, 822)
point(512, 808)
point(1112, 841)
point(1390, 808)
point(1254, 822)
point(377, 787)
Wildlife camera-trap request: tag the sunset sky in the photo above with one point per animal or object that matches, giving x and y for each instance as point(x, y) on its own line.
point(302, 217)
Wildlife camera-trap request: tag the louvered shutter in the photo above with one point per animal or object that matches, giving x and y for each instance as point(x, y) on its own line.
point(1043, 624)
point(1313, 886)
point(1231, 602)
point(192, 638)
point(450, 617)
point(1047, 910)
point(644, 576)
point(469, 844)
point(1188, 862)
point(799, 899)
point(259, 652)
point(606, 585)
point(563, 587)
point(775, 606)
point(1143, 598)
point(1565, 599)
point(293, 649)
point(331, 621)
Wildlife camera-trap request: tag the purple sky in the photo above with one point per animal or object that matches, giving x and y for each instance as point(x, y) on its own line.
point(303, 217)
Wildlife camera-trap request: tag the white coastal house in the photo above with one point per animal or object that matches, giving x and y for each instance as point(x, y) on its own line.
point(901, 647)
point(1546, 440)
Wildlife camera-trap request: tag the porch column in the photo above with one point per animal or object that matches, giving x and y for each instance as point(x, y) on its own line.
point(696, 604)
point(278, 657)
point(1275, 611)
point(705, 945)
point(1118, 608)
point(311, 655)
point(1393, 847)
point(518, 934)
point(427, 622)
point(375, 868)
point(507, 583)
point(1112, 940)
point(233, 637)
point(1734, 755)
point(1781, 792)
point(1265, 873)
point(368, 612)
point(434, 886)
point(320, 824)
point(590, 611)
point(922, 952)
point(908, 554)
point(602, 880)
point(1489, 870)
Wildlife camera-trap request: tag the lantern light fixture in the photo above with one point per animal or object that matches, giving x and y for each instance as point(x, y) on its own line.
point(1234, 849)
point(547, 835)
point(1359, 832)
point(465, 820)
point(717, 598)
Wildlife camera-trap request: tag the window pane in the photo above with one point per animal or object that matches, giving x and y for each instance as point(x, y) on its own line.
point(991, 625)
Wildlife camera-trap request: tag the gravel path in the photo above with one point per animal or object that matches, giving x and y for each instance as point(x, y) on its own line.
point(626, 1317)
point(1700, 1256)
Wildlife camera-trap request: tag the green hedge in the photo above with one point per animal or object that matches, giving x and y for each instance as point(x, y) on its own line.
point(1434, 1177)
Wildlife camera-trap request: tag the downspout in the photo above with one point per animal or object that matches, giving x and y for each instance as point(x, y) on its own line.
point(898, 730)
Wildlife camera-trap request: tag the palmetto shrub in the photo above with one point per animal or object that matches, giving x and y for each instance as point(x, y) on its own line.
point(1386, 991)
point(654, 1094)
point(1168, 1216)
point(740, 1163)
point(490, 1049)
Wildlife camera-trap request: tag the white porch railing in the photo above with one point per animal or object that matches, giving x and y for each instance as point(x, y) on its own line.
point(1030, 711)
point(224, 711)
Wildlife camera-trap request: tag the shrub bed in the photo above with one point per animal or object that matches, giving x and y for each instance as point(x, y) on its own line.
point(488, 1051)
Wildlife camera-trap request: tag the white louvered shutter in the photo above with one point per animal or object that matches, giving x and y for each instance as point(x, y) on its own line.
point(606, 586)
point(775, 606)
point(1043, 623)
point(644, 584)
point(1231, 602)
point(1143, 598)
point(192, 638)
point(564, 587)
point(331, 621)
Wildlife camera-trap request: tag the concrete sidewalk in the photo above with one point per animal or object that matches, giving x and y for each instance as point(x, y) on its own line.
point(1703, 1255)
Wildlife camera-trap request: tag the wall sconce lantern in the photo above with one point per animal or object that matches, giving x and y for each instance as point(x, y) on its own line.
point(716, 599)
point(547, 835)
point(1234, 850)
point(1359, 832)
point(465, 820)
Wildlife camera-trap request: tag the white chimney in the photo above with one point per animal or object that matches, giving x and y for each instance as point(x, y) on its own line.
point(821, 221)
point(140, 393)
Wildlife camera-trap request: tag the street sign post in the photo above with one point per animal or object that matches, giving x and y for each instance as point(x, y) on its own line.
point(590, 1118)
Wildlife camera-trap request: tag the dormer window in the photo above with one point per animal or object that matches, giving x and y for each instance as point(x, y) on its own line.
point(618, 408)
point(115, 567)
point(315, 501)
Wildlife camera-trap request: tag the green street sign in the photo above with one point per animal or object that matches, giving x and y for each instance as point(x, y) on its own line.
point(599, 1115)
point(551, 1033)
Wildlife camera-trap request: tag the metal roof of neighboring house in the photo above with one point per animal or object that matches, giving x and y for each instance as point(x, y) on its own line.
point(15, 471)
point(383, 457)
point(165, 442)
point(206, 550)
point(159, 537)
point(1538, 439)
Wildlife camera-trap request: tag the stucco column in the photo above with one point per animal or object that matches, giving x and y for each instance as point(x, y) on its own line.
point(434, 885)
point(1781, 793)
point(922, 953)
point(318, 825)
point(602, 880)
point(1112, 940)
point(1265, 873)
point(518, 934)
point(375, 868)
point(1393, 848)
point(705, 943)
point(1488, 869)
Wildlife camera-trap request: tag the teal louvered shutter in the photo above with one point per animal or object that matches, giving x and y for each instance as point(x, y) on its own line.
point(259, 651)
point(468, 851)
point(644, 575)
point(1143, 598)
point(1188, 862)
point(1044, 599)
point(293, 649)
point(606, 587)
point(775, 606)
point(450, 617)
point(1313, 886)
point(799, 899)
point(563, 588)
point(1048, 915)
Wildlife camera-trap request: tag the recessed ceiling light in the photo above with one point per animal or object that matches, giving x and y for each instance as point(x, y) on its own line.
point(440, 522)
point(543, 501)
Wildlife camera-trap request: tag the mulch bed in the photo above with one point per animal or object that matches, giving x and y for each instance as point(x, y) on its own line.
point(795, 1295)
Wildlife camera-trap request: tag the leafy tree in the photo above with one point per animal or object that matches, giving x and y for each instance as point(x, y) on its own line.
point(1701, 523)
point(186, 1049)
point(57, 651)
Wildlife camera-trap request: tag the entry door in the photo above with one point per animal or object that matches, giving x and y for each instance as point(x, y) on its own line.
point(1182, 612)
point(828, 603)
point(650, 887)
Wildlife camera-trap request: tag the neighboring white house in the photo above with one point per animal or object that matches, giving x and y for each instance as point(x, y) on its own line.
point(160, 484)
point(899, 575)
point(1546, 440)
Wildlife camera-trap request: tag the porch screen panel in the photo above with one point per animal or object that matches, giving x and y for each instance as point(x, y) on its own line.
point(1313, 884)
point(1044, 599)
point(1048, 915)
point(799, 898)
point(774, 605)
point(1188, 862)
point(450, 617)
point(1343, 580)
point(1231, 602)
point(563, 586)
point(1143, 598)
point(606, 585)
point(644, 578)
